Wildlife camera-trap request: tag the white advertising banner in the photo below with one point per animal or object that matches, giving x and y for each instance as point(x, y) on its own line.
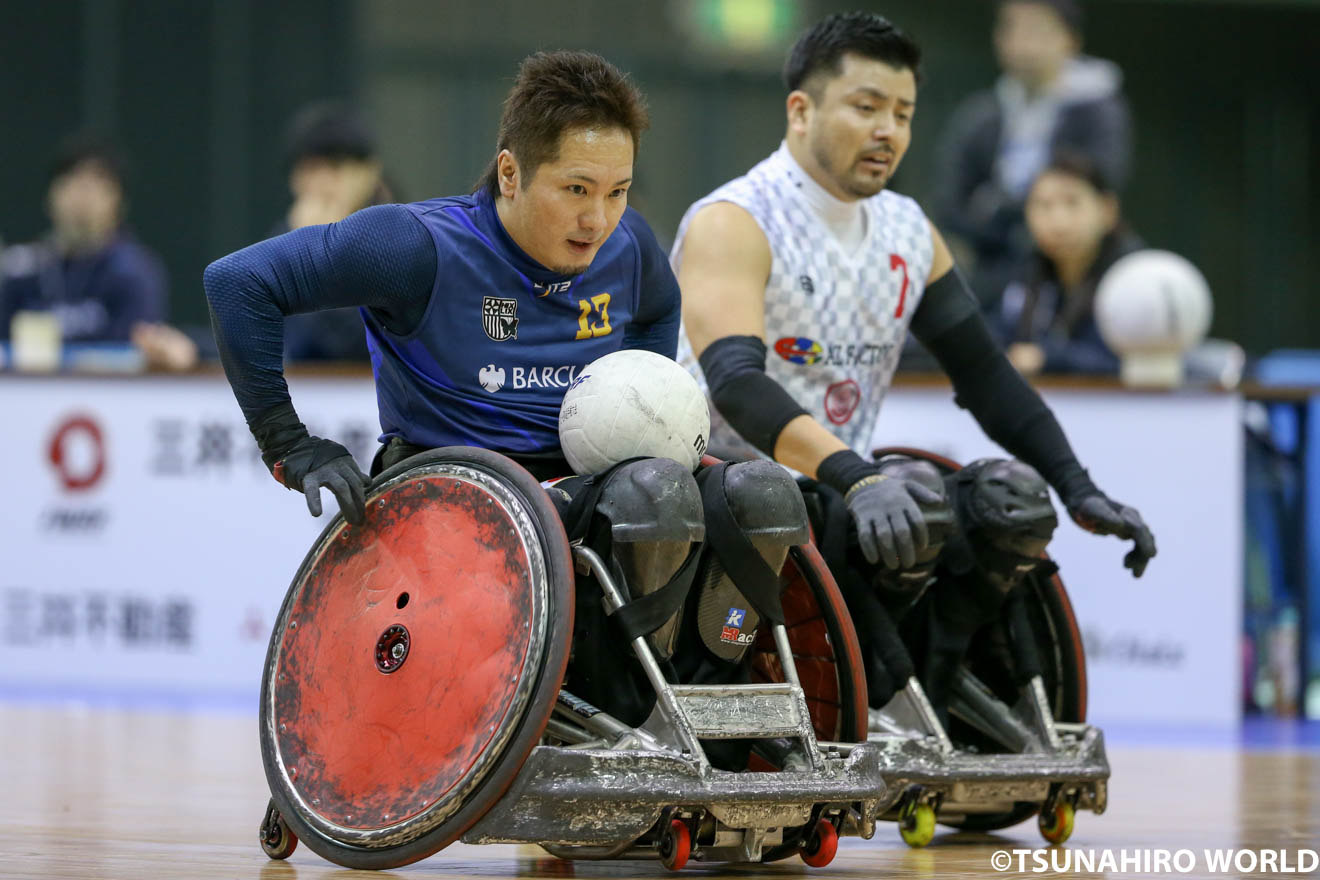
point(1165, 648)
point(146, 549)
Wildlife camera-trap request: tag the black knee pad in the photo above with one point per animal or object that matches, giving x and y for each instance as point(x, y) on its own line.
point(1005, 517)
point(900, 588)
point(654, 510)
point(767, 505)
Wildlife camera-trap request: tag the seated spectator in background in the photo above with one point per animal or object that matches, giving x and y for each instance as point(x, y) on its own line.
point(333, 171)
point(89, 271)
point(1049, 98)
point(1047, 320)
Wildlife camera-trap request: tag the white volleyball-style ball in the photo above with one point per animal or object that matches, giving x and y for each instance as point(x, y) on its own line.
point(633, 403)
point(1151, 307)
point(1152, 300)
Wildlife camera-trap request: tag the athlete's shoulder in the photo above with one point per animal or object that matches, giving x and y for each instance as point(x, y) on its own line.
point(439, 203)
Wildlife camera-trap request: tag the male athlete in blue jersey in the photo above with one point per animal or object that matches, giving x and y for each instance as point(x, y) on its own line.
point(480, 310)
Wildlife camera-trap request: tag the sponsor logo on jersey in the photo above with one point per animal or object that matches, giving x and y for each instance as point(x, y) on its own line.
point(552, 287)
point(732, 633)
point(798, 349)
point(491, 378)
point(499, 318)
point(807, 352)
point(841, 401)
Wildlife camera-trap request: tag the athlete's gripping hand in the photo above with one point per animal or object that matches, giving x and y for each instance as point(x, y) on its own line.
point(315, 462)
point(305, 463)
point(890, 526)
point(1103, 516)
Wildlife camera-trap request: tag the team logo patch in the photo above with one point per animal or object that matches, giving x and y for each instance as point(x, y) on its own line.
point(491, 378)
point(499, 318)
point(841, 401)
point(798, 349)
point(732, 632)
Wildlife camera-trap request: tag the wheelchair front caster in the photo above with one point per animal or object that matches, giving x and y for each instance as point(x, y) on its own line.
point(822, 845)
point(1056, 823)
point(917, 825)
point(675, 845)
point(277, 841)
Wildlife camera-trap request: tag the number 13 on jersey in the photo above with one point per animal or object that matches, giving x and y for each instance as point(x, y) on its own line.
point(594, 319)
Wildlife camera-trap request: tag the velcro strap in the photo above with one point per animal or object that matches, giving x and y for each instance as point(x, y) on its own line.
point(645, 614)
point(741, 561)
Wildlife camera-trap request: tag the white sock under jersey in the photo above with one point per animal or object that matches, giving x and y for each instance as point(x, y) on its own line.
point(835, 315)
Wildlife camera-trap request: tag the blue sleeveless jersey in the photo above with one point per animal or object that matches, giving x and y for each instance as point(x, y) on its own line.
point(502, 337)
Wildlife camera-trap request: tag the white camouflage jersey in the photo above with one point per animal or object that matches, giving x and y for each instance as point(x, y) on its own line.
point(834, 322)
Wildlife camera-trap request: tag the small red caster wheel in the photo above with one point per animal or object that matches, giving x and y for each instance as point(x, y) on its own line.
point(675, 845)
point(277, 840)
point(822, 845)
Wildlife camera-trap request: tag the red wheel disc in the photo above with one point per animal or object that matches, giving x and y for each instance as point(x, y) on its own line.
point(404, 656)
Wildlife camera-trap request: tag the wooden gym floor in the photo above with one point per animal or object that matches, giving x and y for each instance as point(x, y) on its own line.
point(136, 795)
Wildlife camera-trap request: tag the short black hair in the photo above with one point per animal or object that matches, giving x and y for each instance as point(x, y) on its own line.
point(556, 92)
point(822, 47)
point(1068, 10)
point(328, 130)
point(86, 148)
point(1081, 166)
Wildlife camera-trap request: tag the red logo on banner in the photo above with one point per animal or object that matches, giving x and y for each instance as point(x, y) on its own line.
point(841, 400)
point(74, 438)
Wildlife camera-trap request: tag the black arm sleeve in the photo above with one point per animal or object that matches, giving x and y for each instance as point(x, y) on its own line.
point(753, 404)
point(381, 257)
point(985, 384)
point(655, 326)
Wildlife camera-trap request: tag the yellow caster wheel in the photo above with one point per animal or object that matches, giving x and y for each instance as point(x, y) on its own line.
point(1056, 825)
point(917, 825)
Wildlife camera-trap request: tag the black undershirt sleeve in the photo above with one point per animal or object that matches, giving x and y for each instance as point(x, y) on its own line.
point(753, 404)
point(949, 324)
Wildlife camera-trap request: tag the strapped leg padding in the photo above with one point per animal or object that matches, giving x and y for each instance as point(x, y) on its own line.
point(754, 513)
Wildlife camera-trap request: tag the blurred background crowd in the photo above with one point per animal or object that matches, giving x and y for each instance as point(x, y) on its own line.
point(144, 138)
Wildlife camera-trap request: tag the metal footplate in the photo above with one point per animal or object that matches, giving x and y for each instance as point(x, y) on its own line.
point(743, 711)
point(988, 783)
point(598, 797)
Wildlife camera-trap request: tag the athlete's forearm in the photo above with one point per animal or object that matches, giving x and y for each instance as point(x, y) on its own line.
point(804, 444)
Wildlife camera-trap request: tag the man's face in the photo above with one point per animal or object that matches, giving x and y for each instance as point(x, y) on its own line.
point(1067, 216)
point(1032, 42)
point(858, 125)
point(85, 205)
point(571, 204)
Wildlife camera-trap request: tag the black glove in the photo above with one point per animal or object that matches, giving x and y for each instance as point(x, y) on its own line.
point(300, 461)
point(890, 526)
point(315, 462)
point(1103, 516)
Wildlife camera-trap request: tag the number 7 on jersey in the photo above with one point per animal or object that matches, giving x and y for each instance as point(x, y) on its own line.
point(896, 262)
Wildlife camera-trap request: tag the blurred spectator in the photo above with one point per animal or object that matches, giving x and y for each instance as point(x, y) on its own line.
point(1049, 98)
point(333, 171)
point(1047, 320)
point(89, 271)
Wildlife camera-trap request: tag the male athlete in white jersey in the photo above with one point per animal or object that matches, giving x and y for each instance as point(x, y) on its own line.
point(800, 281)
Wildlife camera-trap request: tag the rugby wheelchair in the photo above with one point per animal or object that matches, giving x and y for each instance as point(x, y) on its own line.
point(416, 693)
